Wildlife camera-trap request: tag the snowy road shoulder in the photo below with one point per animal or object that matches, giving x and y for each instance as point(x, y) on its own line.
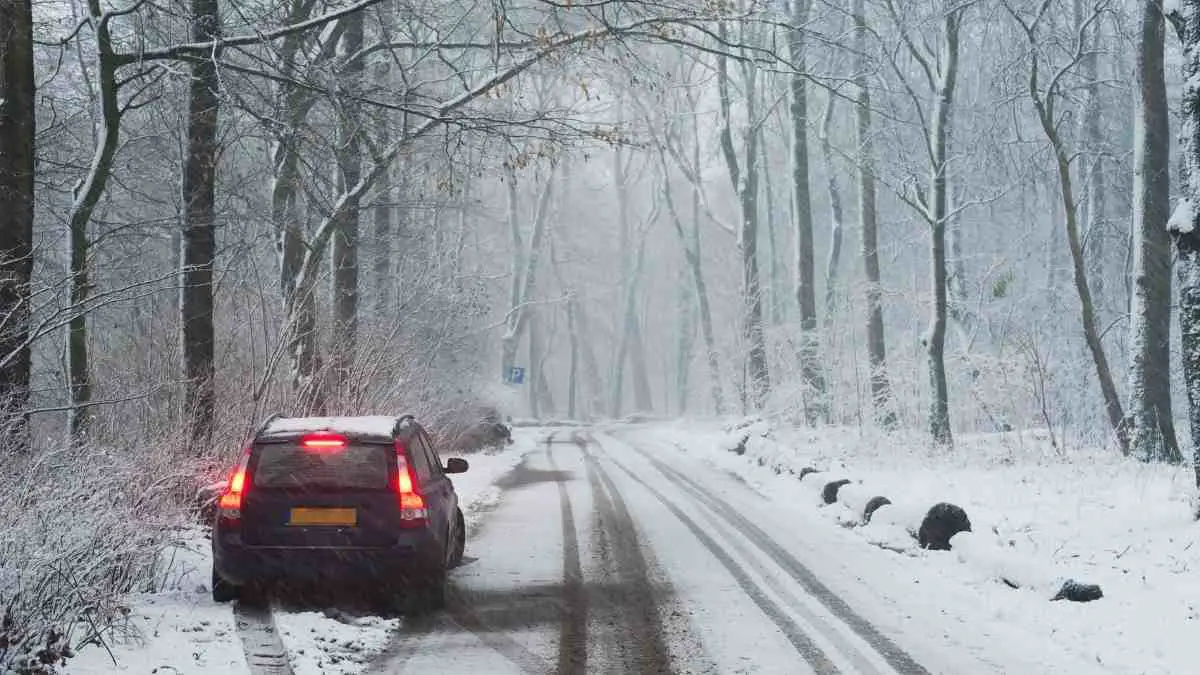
point(1089, 515)
point(180, 630)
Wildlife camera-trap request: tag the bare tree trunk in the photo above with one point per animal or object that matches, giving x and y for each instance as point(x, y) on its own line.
point(1093, 213)
point(1184, 224)
point(87, 195)
point(1043, 103)
point(777, 295)
point(573, 368)
point(629, 343)
point(643, 399)
point(686, 331)
point(881, 391)
point(939, 139)
point(18, 124)
point(524, 280)
point(345, 236)
point(199, 241)
point(591, 367)
point(534, 380)
point(690, 242)
point(833, 264)
point(745, 183)
point(1152, 430)
point(816, 407)
point(381, 245)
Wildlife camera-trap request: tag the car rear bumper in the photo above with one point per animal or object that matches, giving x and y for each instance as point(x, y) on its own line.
point(264, 565)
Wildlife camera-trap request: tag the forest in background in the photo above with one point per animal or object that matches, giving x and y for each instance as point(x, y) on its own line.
point(950, 215)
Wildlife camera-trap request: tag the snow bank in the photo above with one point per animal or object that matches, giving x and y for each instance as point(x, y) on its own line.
point(1040, 516)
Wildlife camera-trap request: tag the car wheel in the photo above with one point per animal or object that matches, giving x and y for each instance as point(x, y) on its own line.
point(460, 540)
point(222, 590)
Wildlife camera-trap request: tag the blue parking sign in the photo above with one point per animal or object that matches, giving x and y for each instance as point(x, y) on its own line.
point(515, 375)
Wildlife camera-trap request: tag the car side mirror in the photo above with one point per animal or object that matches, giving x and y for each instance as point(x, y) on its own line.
point(456, 465)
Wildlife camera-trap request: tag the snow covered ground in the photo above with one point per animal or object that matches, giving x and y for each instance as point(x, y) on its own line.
point(1038, 516)
point(179, 630)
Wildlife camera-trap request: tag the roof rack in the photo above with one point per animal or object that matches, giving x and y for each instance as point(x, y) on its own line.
point(401, 419)
point(262, 426)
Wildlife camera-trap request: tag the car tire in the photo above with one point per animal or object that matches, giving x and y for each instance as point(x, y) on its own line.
point(222, 590)
point(460, 540)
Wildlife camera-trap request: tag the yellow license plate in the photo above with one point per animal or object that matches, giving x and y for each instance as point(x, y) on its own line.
point(313, 516)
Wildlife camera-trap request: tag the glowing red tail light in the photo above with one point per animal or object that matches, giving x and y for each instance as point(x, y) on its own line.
point(229, 507)
point(321, 441)
point(413, 511)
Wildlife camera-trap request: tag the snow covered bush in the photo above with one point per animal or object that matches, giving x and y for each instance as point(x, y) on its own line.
point(81, 527)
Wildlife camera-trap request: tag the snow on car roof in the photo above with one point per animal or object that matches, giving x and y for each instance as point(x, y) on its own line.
point(364, 425)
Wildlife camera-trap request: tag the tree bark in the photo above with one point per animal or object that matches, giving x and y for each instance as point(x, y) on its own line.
point(939, 140)
point(525, 268)
point(1044, 105)
point(18, 125)
point(833, 264)
point(345, 236)
point(1093, 216)
point(881, 392)
point(691, 253)
point(745, 183)
point(1184, 225)
point(816, 407)
point(198, 241)
point(1151, 428)
point(573, 367)
point(643, 398)
point(381, 245)
point(616, 394)
point(87, 196)
point(534, 372)
point(629, 345)
point(685, 336)
point(777, 297)
point(591, 366)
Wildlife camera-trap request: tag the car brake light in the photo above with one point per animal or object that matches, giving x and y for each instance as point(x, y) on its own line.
point(413, 512)
point(229, 507)
point(323, 441)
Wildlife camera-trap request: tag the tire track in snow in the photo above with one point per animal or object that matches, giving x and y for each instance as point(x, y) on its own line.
point(896, 657)
point(636, 601)
point(401, 646)
point(572, 646)
point(460, 612)
point(261, 644)
point(809, 650)
point(406, 641)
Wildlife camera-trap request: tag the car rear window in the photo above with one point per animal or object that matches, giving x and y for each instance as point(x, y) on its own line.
point(359, 466)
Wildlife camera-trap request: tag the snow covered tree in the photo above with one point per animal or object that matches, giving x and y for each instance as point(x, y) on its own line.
point(804, 265)
point(881, 392)
point(199, 242)
point(1184, 224)
point(938, 68)
point(1046, 90)
point(1151, 431)
point(17, 127)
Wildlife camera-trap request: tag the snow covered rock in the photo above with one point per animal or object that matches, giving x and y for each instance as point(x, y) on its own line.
point(943, 521)
point(830, 492)
point(872, 506)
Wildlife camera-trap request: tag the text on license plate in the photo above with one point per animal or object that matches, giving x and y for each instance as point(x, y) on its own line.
point(315, 516)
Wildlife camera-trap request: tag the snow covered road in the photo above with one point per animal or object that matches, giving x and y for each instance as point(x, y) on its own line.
point(603, 557)
point(619, 550)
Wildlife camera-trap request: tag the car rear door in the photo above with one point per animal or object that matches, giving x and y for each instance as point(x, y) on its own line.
point(321, 497)
point(437, 488)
